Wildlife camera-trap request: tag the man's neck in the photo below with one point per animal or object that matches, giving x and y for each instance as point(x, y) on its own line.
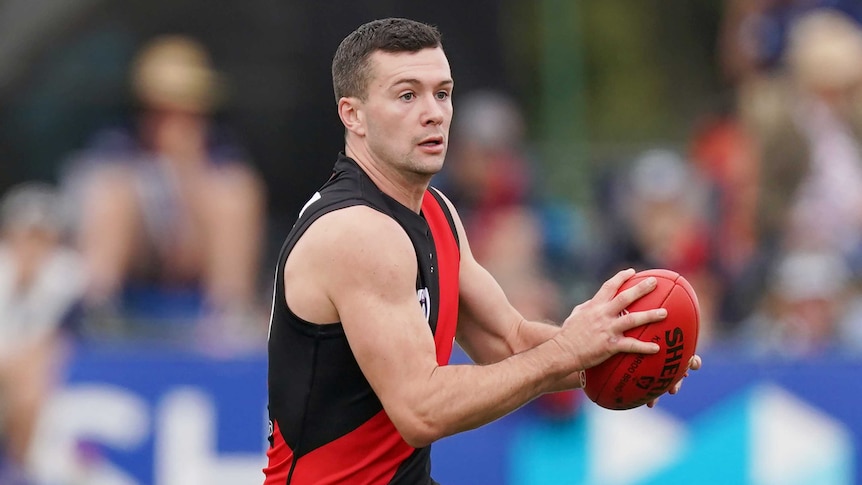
point(406, 188)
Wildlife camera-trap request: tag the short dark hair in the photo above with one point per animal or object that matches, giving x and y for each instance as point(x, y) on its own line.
point(350, 66)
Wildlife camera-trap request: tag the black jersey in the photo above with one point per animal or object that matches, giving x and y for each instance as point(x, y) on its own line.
point(327, 425)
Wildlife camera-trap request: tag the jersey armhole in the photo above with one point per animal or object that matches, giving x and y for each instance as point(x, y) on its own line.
point(445, 207)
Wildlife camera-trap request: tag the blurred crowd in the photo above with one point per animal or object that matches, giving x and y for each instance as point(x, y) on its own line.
point(761, 210)
point(155, 230)
point(152, 234)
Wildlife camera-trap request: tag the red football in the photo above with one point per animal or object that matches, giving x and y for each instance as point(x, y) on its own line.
point(627, 380)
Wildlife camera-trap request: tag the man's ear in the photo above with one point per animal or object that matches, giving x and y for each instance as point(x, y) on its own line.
point(350, 110)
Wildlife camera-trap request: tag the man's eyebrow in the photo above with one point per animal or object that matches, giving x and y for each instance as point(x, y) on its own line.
point(416, 82)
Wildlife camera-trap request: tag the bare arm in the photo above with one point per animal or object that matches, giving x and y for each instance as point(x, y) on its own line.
point(372, 289)
point(490, 329)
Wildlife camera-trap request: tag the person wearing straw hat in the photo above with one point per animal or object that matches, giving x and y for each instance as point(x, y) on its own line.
point(172, 213)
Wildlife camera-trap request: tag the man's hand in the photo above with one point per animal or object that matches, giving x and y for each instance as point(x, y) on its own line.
point(595, 330)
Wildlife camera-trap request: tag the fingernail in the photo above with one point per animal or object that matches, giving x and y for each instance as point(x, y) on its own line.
point(662, 312)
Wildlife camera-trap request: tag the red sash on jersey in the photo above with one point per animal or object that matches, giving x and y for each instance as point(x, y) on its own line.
point(349, 459)
point(448, 265)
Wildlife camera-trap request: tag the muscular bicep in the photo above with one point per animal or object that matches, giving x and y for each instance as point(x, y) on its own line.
point(370, 278)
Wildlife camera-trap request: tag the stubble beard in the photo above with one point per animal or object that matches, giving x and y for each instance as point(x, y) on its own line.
point(431, 165)
point(423, 169)
point(412, 165)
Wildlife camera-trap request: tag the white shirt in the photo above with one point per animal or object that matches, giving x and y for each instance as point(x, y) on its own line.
point(26, 316)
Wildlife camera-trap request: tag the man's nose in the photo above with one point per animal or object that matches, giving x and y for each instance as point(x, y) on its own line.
point(433, 113)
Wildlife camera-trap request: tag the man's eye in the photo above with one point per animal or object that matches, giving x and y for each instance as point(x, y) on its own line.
point(442, 95)
point(407, 96)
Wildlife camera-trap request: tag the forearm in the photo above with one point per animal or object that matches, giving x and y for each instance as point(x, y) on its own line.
point(462, 397)
point(530, 334)
point(525, 335)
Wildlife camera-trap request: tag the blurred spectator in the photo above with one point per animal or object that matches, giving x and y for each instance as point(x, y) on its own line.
point(724, 155)
point(171, 219)
point(664, 210)
point(806, 127)
point(754, 34)
point(658, 208)
point(793, 64)
point(806, 122)
point(41, 284)
point(811, 309)
point(486, 168)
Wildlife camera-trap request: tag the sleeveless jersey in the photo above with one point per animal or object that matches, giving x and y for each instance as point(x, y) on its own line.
point(326, 424)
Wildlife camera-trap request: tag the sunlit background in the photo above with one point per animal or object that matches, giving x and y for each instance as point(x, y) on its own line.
point(153, 156)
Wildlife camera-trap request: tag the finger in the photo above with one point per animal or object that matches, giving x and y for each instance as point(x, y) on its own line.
point(635, 346)
point(652, 403)
point(695, 362)
point(630, 295)
point(610, 287)
point(636, 319)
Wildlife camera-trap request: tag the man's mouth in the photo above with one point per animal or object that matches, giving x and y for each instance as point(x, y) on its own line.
point(433, 141)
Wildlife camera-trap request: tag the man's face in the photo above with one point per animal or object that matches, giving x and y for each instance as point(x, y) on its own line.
point(408, 110)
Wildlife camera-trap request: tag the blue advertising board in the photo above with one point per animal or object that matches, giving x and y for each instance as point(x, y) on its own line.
point(136, 416)
point(156, 416)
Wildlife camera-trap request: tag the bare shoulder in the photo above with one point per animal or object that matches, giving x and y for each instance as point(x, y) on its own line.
point(343, 254)
point(356, 231)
